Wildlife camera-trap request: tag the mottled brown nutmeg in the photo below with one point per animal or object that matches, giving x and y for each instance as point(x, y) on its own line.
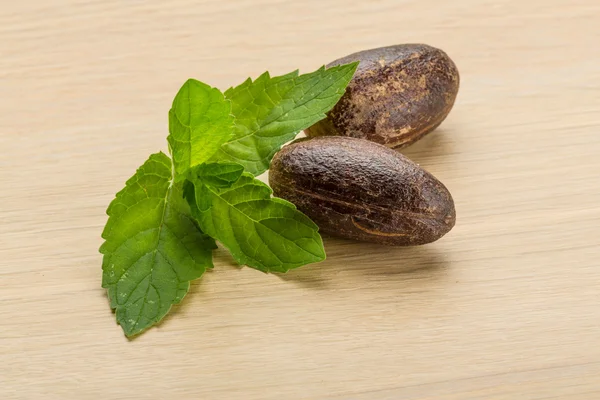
point(360, 190)
point(397, 95)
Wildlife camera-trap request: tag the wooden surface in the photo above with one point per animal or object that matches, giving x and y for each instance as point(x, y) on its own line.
point(506, 306)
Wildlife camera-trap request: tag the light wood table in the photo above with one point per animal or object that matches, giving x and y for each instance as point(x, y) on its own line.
point(506, 306)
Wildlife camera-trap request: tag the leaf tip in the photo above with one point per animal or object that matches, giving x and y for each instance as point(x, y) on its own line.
point(353, 66)
point(191, 81)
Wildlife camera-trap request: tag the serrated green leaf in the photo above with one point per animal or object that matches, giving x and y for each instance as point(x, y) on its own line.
point(265, 233)
point(219, 174)
point(152, 248)
point(200, 121)
point(271, 111)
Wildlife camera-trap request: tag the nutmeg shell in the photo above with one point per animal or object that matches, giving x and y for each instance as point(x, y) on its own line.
point(360, 190)
point(397, 95)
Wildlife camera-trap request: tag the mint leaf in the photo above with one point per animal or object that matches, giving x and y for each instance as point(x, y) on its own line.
point(200, 121)
point(219, 174)
point(271, 111)
point(262, 232)
point(152, 247)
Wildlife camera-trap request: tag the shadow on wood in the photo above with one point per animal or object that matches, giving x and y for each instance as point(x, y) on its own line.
point(367, 260)
point(435, 147)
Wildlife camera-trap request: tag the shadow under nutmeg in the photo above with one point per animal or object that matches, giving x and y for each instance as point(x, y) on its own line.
point(361, 260)
point(434, 147)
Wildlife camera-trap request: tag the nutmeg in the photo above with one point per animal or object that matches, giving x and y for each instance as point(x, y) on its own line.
point(356, 189)
point(397, 95)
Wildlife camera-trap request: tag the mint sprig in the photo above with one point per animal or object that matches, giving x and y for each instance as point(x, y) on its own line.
point(163, 225)
point(153, 248)
point(272, 111)
point(200, 121)
point(260, 231)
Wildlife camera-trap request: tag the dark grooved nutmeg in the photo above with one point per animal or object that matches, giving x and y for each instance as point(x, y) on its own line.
point(360, 190)
point(397, 95)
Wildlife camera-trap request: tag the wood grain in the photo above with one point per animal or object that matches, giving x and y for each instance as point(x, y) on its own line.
point(504, 307)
